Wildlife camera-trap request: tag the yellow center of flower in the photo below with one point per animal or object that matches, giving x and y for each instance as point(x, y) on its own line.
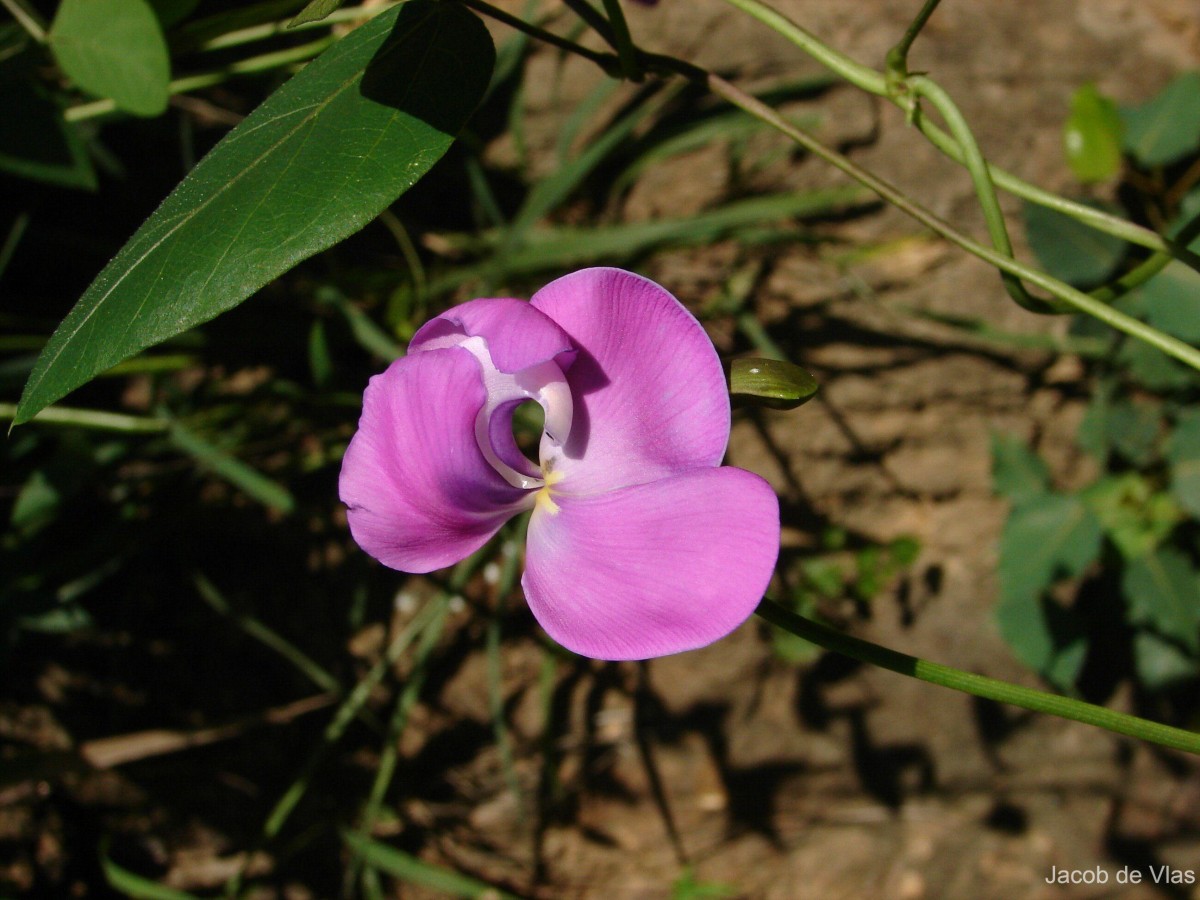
point(544, 499)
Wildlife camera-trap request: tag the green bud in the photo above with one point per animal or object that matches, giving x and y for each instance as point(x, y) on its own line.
point(1092, 136)
point(771, 383)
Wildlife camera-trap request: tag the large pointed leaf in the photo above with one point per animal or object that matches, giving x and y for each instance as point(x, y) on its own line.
point(114, 49)
point(317, 161)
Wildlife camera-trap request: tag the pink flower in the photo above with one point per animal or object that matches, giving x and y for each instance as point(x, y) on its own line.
point(640, 543)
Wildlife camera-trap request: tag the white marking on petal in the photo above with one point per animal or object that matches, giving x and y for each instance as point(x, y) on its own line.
point(543, 383)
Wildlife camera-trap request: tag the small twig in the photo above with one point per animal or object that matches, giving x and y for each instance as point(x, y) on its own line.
point(28, 18)
point(110, 752)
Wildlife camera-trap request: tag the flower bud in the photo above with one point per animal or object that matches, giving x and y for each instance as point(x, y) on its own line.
point(771, 383)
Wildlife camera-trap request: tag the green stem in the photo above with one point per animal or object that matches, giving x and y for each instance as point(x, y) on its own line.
point(263, 63)
point(985, 190)
point(978, 685)
point(1076, 298)
point(856, 73)
point(984, 333)
point(873, 82)
point(897, 57)
point(28, 18)
point(631, 68)
point(91, 418)
point(605, 61)
point(389, 756)
point(271, 29)
point(509, 574)
point(310, 668)
point(595, 21)
point(15, 233)
point(1149, 267)
point(1088, 215)
point(752, 328)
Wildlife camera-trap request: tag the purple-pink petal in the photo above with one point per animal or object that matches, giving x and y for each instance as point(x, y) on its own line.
point(649, 393)
point(420, 493)
point(518, 336)
point(653, 569)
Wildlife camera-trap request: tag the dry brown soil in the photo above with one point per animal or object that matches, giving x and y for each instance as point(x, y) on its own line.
point(825, 780)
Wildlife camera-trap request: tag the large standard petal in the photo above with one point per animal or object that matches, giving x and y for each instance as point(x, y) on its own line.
point(652, 569)
point(518, 336)
point(649, 393)
point(420, 493)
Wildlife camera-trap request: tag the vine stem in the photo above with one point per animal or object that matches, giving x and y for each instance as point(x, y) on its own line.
point(605, 61)
point(1078, 299)
point(977, 685)
point(876, 83)
point(897, 57)
point(985, 189)
point(1073, 297)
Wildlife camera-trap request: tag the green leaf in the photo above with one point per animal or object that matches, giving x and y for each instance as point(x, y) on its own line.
point(793, 649)
point(363, 329)
point(1135, 516)
point(1093, 428)
point(1054, 537)
point(1189, 209)
point(549, 192)
point(412, 870)
point(1045, 636)
point(1092, 136)
point(825, 577)
point(1133, 428)
point(1171, 300)
point(1070, 250)
point(315, 11)
point(688, 887)
point(36, 502)
point(771, 382)
point(171, 11)
point(905, 550)
point(314, 163)
point(35, 142)
point(1183, 455)
point(56, 618)
point(1057, 537)
point(1163, 591)
point(1168, 127)
point(1160, 664)
point(1153, 369)
point(1017, 472)
point(562, 247)
point(114, 49)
